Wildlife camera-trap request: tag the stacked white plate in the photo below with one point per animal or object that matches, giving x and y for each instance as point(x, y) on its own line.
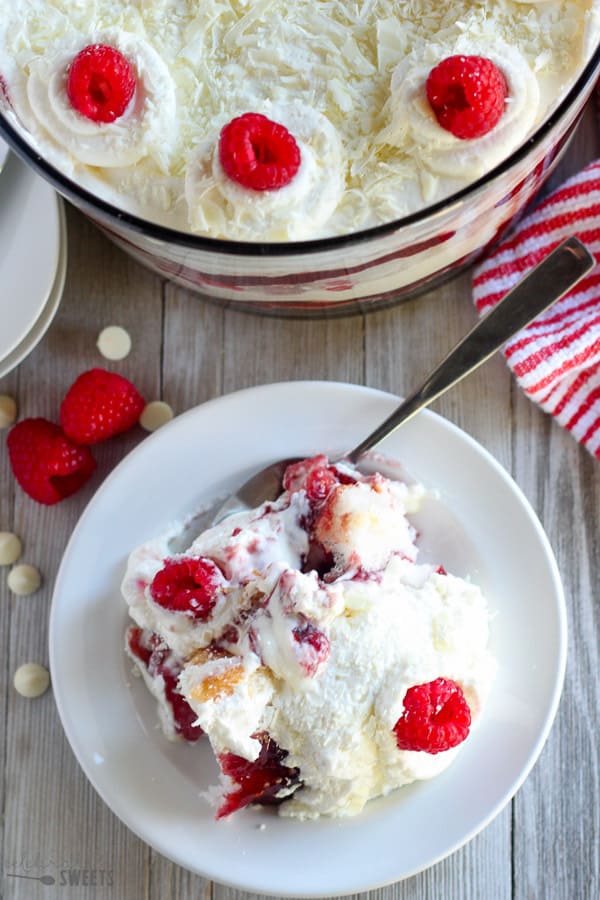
point(32, 259)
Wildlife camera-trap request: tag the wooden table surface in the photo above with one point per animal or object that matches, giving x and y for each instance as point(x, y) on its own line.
point(545, 843)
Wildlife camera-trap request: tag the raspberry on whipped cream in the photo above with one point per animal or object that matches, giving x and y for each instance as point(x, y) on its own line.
point(44, 97)
point(445, 154)
point(222, 205)
point(101, 83)
point(259, 154)
point(323, 662)
point(468, 95)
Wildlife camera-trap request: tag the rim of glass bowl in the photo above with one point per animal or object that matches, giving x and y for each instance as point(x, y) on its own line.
point(188, 240)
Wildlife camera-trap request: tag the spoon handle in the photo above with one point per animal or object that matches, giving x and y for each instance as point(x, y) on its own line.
point(557, 273)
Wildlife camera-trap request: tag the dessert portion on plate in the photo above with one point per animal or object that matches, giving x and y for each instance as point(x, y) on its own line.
point(279, 121)
point(324, 663)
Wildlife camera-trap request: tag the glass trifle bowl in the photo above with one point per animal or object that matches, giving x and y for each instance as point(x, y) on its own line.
point(327, 270)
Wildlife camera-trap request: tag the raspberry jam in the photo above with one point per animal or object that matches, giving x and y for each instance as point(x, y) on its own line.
point(159, 661)
point(266, 780)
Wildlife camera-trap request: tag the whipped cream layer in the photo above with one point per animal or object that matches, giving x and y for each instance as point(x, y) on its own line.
point(347, 78)
point(324, 619)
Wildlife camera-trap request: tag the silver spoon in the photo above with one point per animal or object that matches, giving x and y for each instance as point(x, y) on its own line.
point(556, 274)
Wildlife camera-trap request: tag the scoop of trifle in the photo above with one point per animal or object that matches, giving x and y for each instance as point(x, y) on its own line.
point(325, 665)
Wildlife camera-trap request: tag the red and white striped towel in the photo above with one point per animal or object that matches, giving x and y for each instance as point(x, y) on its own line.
point(557, 358)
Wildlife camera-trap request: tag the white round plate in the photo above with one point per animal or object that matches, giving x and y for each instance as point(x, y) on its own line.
point(155, 786)
point(44, 320)
point(30, 243)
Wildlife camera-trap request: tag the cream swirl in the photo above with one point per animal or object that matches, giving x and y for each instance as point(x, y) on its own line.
point(146, 127)
point(413, 122)
point(220, 207)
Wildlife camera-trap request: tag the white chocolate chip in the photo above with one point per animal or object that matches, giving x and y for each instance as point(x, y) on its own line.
point(31, 680)
point(114, 342)
point(24, 580)
point(10, 548)
point(8, 411)
point(155, 415)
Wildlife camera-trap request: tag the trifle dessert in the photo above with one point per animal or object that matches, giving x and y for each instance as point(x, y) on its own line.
point(306, 642)
point(274, 121)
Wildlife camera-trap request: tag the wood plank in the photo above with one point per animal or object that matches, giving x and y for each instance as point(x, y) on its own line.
point(55, 823)
point(264, 350)
point(192, 359)
point(191, 372)
point(8, 385)
point(557, 811)
point(402, 346)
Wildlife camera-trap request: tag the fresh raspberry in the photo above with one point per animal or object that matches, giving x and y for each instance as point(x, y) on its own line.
point(159, 660)
point(187, 585)
point(314, 475)
point(257, 153)
point(100, 83)
point(99, 405)
point(261, 781)
point(47, 465)
point(319, 483)
point(436, 717)
point(467, 95)
point(296, 474)
point(314, 647)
